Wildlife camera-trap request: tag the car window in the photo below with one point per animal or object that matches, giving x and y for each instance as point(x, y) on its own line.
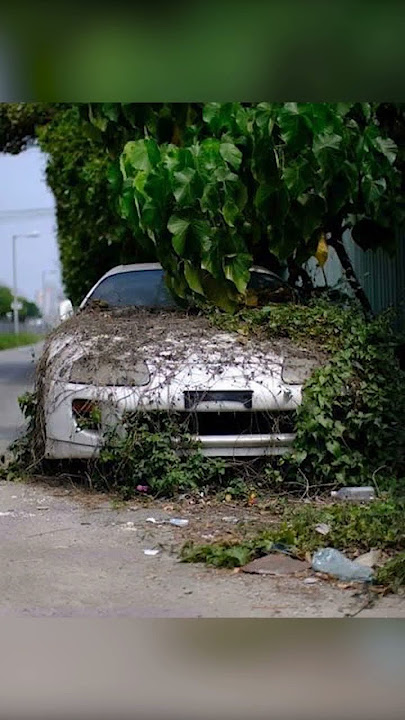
point(142, 288)
point(264, 281)
point(147, 288)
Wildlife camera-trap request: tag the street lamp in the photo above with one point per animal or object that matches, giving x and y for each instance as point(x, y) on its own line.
point(15, 304)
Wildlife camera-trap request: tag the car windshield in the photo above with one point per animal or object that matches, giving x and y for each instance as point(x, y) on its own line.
point(147, 288)
point(142, 288)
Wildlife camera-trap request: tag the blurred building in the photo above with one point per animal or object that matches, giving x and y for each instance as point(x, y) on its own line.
point(48, 299)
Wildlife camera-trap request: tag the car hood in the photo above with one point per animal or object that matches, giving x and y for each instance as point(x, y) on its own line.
point(125, 348)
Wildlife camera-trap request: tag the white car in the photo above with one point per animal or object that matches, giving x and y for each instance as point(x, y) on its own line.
point(130, 348)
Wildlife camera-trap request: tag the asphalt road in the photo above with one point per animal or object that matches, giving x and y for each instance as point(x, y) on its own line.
point(16, 377)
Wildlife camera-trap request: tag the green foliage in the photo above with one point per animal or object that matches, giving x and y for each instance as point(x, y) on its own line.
point(143, 451)
point(251, 181)
point(6, 298)
point(29, 309)
point(19, 123)
point(321, 322)
point(22, 449)
point(380, 525)
point(9, 340)
point(351, 423)
point(392, 574)
point(206, 188)
point(92, 237)
point(350, 426)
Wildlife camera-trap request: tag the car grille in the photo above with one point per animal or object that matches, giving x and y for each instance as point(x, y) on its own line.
point(238, 423)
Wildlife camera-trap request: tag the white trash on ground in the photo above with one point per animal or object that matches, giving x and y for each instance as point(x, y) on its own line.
point(355, 494)
point(178, 522)
point(333, 562)
point(323, 528)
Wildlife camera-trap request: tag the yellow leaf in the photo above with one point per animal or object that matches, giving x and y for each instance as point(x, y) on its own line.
point(251, 299)
point(322, 251)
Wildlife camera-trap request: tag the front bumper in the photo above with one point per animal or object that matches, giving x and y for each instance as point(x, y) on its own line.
point(64, 439)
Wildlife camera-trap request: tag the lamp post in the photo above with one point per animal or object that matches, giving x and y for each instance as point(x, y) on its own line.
point(16, 305)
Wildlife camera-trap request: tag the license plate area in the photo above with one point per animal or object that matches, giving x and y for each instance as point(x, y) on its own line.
point(218, 399)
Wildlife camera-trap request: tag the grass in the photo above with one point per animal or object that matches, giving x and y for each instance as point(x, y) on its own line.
point(352, 529)
point(9, 340)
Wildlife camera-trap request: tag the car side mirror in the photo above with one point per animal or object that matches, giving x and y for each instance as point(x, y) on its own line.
point(65, 310)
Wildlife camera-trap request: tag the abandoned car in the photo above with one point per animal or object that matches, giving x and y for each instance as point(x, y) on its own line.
point(130, 348)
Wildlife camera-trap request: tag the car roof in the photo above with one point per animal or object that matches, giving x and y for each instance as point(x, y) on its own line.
point(157, 266)
point(131, 267)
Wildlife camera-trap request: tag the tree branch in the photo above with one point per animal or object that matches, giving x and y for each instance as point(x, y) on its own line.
point(336, 241)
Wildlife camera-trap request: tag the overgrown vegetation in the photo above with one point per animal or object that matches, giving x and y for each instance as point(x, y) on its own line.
point(143, 454)
point(207, 187)
point(351, 424)
point(267, 182)
point(352, 529)
point(392, 574)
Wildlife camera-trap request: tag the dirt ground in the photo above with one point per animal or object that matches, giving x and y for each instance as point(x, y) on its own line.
point(68, 552)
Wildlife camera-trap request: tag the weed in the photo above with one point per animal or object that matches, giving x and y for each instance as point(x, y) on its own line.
point(352, 528)
point(153, 450)
point(392, 574)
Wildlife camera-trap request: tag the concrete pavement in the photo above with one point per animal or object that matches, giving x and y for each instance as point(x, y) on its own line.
point(16, 377)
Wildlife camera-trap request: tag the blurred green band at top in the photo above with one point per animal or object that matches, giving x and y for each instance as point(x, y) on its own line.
point(178, 51)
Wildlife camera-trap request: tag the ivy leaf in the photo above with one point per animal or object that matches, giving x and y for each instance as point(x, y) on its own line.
point(208, 153)
point(182, 186)
point(192, 275)
point(219, 294)
point(110, 110)
point(211, 111)
point(387, 147)
point(230, 212)
point(231, 154)
point(211, 256)
point(326, 141)
point(373, 188)
point(236, 269)
point(297, 177)
point(178, 227)
point(135, 155)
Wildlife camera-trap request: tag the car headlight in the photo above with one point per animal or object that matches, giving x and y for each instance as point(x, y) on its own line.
point(90, 370)
point(297, 370)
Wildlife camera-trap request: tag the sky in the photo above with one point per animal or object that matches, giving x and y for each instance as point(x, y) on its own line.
point(27, 205)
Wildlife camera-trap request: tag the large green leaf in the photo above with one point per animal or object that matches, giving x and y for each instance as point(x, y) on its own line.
point(327, 140)
point(236, 269)
point(372, 188)
point(211, 256)
point(183, 186)
point(230, 212)
point(135, 155)
point(293, 127)
point(298, 176)
point(177, 224)
point(220, 116)
point(223, 174)
point(193, 277)
point(387, 147)
point(221, 293)
point(178, 227)
point(231, 154)
point(208, 154)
